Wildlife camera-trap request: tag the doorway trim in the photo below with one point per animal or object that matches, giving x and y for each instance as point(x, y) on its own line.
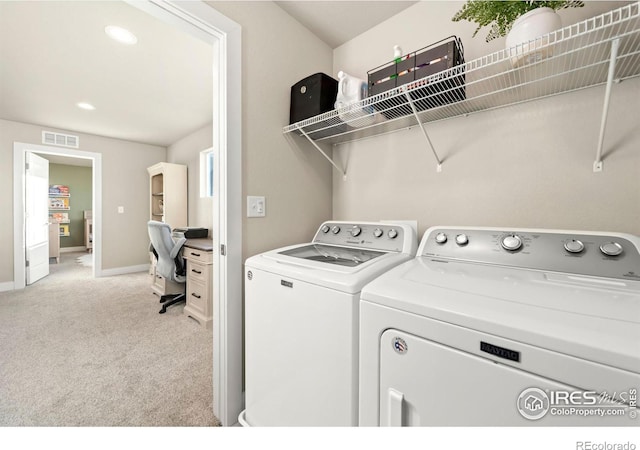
point(19, 151)
point(203, 21)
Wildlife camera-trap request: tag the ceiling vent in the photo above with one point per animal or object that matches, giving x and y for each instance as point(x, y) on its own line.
point(59, 139)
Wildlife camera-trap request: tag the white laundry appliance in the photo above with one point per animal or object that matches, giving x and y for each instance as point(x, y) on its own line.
point(493, 327)
point(301, 322)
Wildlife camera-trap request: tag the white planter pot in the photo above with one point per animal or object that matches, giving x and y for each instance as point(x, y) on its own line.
point(524, 42)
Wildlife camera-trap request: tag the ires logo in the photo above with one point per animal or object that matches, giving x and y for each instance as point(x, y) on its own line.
point(534, 403)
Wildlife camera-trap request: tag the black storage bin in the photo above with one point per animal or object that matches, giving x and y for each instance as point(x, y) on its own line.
point(416, 68)
point(432, 60)
point(311, 96)
point(385, 77)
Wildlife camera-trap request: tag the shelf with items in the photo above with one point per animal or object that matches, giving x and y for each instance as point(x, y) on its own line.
point(57, 217)
point(59, 203)
point(58, 190)
point(64, 230)
point(157, 205)
point(597, 51)
point(59, 200)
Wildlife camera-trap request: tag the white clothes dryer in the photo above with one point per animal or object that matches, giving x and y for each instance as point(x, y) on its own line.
point(493, 327)
point(301, 322)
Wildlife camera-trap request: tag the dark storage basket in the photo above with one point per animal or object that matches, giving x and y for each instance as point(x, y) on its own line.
point(418, 69)
point(311, 97)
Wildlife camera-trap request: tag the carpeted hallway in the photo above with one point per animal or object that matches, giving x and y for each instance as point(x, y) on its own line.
point(78, 351)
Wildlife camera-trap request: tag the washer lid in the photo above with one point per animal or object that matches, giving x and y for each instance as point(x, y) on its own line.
point(328, 254)
point(342, 274)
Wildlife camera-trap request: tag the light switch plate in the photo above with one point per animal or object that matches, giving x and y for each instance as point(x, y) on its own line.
point(256, 206)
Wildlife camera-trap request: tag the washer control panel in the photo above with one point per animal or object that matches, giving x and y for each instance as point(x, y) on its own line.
point(610, 255)
point(374, 236)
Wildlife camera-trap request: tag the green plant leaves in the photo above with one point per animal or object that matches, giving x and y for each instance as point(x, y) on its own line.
point(500, 15)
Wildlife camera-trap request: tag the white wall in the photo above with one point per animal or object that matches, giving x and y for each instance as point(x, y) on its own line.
point(187, 151)
point(125, 182)
point(277, 52)
point(523, 166)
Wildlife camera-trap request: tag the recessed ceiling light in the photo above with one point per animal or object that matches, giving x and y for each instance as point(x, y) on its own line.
point(85, 105)
point(121, 35)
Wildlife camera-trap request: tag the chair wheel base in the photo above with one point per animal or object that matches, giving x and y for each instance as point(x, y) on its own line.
point(171, 299)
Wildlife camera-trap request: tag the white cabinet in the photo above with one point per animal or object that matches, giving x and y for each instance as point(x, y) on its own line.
point(168, 194)
point(199, 256)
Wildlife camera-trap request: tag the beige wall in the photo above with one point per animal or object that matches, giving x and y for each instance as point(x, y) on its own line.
point(187, 151)
point(277, 52)
point(125, 182)
point(524, 166)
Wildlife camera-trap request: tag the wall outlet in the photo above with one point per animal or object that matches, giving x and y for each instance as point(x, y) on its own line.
point(120, 209)
point(256, 206)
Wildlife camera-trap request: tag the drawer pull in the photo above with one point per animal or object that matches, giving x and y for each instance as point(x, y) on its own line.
point(195, 295)
point(196, 271)
point(195, 254)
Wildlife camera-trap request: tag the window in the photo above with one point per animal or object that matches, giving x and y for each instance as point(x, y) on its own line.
point(206, 173)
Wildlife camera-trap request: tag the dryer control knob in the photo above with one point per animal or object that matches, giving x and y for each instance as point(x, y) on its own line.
point(325, 228)
point(574, 246)
point(356, 230)
point(377, 232)
point(462, 239)
point(335, 229)
point(441, 238)
point(392, 233)
point(611, 249)
point(511, 243)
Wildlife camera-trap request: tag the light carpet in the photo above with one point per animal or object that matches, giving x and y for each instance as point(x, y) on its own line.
point(78, 351)
point(85, 260)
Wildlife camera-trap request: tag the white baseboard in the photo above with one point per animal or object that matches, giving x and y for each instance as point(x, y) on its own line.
point(73, 249)
point(124, 270)
point(7, 286)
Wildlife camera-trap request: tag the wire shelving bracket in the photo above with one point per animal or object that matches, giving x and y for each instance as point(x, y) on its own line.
point(424, 132)
point(615, 45)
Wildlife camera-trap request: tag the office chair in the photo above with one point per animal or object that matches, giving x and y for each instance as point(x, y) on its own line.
point(170, 263)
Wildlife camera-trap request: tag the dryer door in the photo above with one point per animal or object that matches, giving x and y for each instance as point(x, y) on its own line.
point(425, 383)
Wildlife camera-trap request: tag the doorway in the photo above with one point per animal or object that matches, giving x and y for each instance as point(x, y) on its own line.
point(224, 35)
point(19, 155)
point(70, 211)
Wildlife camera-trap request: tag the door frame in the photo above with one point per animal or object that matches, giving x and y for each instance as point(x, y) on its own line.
point(201, 20)
point(19, 247)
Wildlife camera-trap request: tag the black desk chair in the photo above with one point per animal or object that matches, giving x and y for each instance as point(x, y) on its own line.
point(170, 263)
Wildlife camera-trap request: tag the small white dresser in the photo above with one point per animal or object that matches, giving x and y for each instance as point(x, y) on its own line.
point(199, 256)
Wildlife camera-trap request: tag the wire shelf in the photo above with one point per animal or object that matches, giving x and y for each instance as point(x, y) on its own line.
point(571, 58)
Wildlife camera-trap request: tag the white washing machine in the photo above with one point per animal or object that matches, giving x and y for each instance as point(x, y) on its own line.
point(495, 327)
point(301, 322)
